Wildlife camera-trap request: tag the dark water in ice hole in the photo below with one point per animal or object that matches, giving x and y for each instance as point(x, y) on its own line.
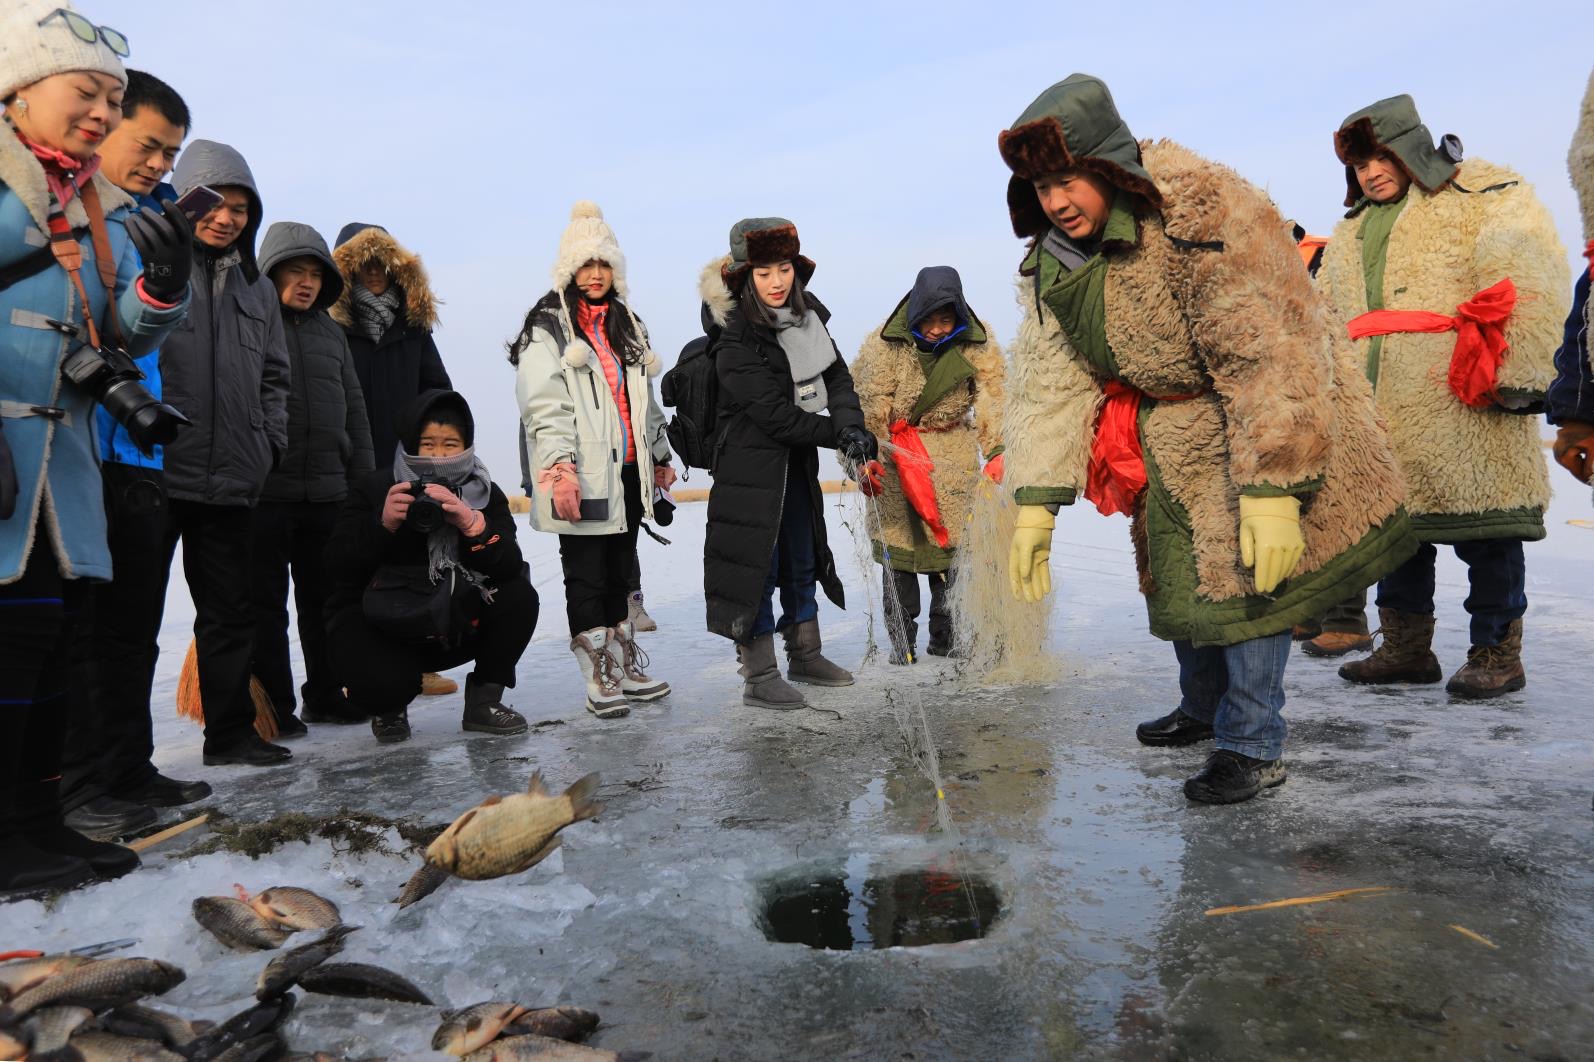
point(835, 912)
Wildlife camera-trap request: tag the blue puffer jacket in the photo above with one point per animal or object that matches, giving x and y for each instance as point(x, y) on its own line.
point(56, 458)
point(1571, 395)
point(115, 443)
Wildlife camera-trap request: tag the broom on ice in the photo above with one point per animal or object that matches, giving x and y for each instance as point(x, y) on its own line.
point(189, 705)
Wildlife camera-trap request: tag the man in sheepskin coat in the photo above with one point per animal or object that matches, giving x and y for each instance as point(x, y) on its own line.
point(1175, 363)
point(932, 368)
point(1452, 284)
point(1571, 398)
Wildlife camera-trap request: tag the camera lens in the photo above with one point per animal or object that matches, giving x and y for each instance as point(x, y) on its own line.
point(425, 515)
point(149, 421)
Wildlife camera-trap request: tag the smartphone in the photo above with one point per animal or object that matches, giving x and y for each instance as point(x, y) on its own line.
point(199, 202)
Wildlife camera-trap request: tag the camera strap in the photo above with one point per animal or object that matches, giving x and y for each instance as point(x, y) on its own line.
point(69, 255)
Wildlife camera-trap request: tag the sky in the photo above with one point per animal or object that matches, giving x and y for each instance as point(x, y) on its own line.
point(468, 130)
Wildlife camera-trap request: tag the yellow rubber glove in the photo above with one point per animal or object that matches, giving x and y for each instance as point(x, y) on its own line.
point(1270, 539)
point(1032, 548)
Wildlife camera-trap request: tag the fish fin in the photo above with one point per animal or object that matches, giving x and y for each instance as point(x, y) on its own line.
point(582, 806)
point(537, 857)
point(242, 893)
point(537, 786)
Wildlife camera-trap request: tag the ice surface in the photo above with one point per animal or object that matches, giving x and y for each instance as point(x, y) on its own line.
point(1478, 814)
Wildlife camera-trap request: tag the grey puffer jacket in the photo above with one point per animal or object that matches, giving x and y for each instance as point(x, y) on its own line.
point(329, 438)
point(226, 365)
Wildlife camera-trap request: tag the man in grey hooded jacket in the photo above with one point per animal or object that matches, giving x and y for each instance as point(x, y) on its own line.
point(227, 368)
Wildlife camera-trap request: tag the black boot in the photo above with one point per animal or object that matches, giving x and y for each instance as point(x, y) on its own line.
point(1173, 730)
point(289, 727)
point(942, 641)
point(28, 872)
point(106, 818)
point(391, 729)
point(900, 594)
point(485, 711)
point(39, 822)
point(158, 791)
point(248, 751)
point(339, 711)
point(1230, 777)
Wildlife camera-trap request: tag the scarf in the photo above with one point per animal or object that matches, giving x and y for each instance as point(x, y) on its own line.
point(1067, 251)
point(376, 313)
point(464, 475)
point(809, 350)
point(64, 174)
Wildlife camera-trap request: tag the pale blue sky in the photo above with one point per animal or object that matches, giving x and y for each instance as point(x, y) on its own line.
point(469, 129)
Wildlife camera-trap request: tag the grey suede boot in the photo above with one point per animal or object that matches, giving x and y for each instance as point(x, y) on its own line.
point(764, 688)
point(485, 711)
point(805, 663)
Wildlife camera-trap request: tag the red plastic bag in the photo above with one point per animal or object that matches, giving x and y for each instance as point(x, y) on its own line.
point(913, 472)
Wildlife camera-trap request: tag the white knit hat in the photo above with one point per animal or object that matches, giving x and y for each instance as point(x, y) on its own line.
point(588, 237)
point(30, 52)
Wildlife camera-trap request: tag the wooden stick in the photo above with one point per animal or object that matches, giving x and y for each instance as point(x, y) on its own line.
point(144, 843)
point(1297, 901)
point(1479, 937)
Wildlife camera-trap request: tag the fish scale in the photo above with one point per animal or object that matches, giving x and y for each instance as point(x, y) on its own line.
point(509, 835)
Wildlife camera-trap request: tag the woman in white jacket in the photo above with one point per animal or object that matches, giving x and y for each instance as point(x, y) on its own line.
point(597, 449)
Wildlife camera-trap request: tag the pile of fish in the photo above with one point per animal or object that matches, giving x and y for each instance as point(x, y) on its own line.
point(509, 1032)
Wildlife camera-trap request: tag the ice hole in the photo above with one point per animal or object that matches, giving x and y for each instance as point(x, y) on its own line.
point(838, 911)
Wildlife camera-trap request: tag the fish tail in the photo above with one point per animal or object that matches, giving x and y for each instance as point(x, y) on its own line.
point(582, 804)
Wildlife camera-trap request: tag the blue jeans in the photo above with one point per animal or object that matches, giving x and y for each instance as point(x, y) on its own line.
point(1498, 575)
point(1239, 689)
point(792, 568)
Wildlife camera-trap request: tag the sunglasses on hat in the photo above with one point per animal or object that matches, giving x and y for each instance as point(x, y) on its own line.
point(88, 32)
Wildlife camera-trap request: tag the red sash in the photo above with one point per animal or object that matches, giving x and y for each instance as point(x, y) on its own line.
point(1479, 325)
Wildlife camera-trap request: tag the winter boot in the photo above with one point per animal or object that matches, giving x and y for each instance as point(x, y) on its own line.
point(485, 712)
point(941, 632)
point(1491, 670)
point(40, 823)
point(805, 663)
point(391, 729)
point(435, 685)
point(637, 615)
point(601, 671)
point(763, 687)
point(1405, 654)
point(634, 680)
point(1305, 632)
point(26, 870)
point(1337, 643)
point(1230, 777)
point(1173, 730)
point(900, 592)
point(106, 818)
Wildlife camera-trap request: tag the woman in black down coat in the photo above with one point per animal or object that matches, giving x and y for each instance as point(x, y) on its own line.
point(783, 391)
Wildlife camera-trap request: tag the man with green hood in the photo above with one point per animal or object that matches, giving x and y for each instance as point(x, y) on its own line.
point(1175, 364)
point(1452, 283)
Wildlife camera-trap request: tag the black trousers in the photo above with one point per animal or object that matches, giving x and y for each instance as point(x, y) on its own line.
point(110, 737)
point(216, 541)
point(384, 675)
point(902, 603)
point(37, 614)
point(598, 567)
point(290, 537)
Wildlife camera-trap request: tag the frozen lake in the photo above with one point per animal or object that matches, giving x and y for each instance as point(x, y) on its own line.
point(1471, 815)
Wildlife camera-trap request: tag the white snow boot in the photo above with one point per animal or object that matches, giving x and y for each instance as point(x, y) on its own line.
point(594, 655)
point(634, 681)
point(637, 615)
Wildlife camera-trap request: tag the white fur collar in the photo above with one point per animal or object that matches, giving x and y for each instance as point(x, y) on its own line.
point(24, 176)
point(711, 287)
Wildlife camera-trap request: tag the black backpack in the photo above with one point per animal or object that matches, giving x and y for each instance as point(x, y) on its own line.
point(691, 388)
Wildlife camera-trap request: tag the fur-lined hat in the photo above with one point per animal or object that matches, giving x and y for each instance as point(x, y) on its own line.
point(1393, 125)
point(760, 242)
point(1074, 125)
point(367, 243)
point(36, 42)
point(586, 238)
point(1580, 161)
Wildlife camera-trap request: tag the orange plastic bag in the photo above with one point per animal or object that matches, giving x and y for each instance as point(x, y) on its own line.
point(913, 472)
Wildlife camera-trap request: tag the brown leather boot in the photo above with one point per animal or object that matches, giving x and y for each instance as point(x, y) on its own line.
point(1491, 670)
point(1338, 643)
point(1405, 655)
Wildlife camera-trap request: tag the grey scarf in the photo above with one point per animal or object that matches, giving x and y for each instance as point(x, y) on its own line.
point(809, 350)
point(376, 313)
point(1067, 251)
point(464, 475)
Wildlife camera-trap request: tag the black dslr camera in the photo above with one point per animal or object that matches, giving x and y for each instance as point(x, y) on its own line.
point(110, 376)
point(426, 514)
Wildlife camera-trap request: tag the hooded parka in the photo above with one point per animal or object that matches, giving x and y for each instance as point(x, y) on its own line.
point(226, 365)
point(1194, 293)
point(395, 369)
point(952, 391)
point(764, 438)
point(1472, 473)
point(329, 437)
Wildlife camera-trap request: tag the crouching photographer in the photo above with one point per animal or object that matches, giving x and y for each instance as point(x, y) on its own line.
point(428, 576)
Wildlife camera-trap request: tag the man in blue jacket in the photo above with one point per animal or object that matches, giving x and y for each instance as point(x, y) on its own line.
point(108, 784)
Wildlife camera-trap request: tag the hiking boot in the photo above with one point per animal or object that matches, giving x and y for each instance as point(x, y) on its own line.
point(805, 663)
point(601, 672)
point(1491, 670)
point(391, 729)
point(1305, 632)
point(635, 683)
point(1173, 730)
point(248, 751)
point(485, 712)
point(435, 685)
point(161, 792)
point(763, 687)
point(637, 616)
point(1230, 777)
point(105, 818)
point(1403, 656)
point(1338, 643)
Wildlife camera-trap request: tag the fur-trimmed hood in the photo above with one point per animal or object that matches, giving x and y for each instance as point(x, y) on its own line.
point(718, 302)
point(21, 172)
point(1580, 160)
point(374, 242)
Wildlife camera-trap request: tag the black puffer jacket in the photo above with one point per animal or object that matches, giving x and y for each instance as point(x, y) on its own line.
point(329, 438)
point(764, 438)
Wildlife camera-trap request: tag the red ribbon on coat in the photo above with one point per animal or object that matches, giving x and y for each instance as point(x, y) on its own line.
point(1479, 325)
point(1588, 252)
point(913, 472)
point(1116, 476)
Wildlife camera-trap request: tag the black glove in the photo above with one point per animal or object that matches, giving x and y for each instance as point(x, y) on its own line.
point(164, 241)
point(857, 445)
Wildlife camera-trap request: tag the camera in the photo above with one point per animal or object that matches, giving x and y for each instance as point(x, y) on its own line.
point(426, 514)
point(109, 375)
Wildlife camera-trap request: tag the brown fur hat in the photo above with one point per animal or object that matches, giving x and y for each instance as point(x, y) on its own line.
point(763, 241)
